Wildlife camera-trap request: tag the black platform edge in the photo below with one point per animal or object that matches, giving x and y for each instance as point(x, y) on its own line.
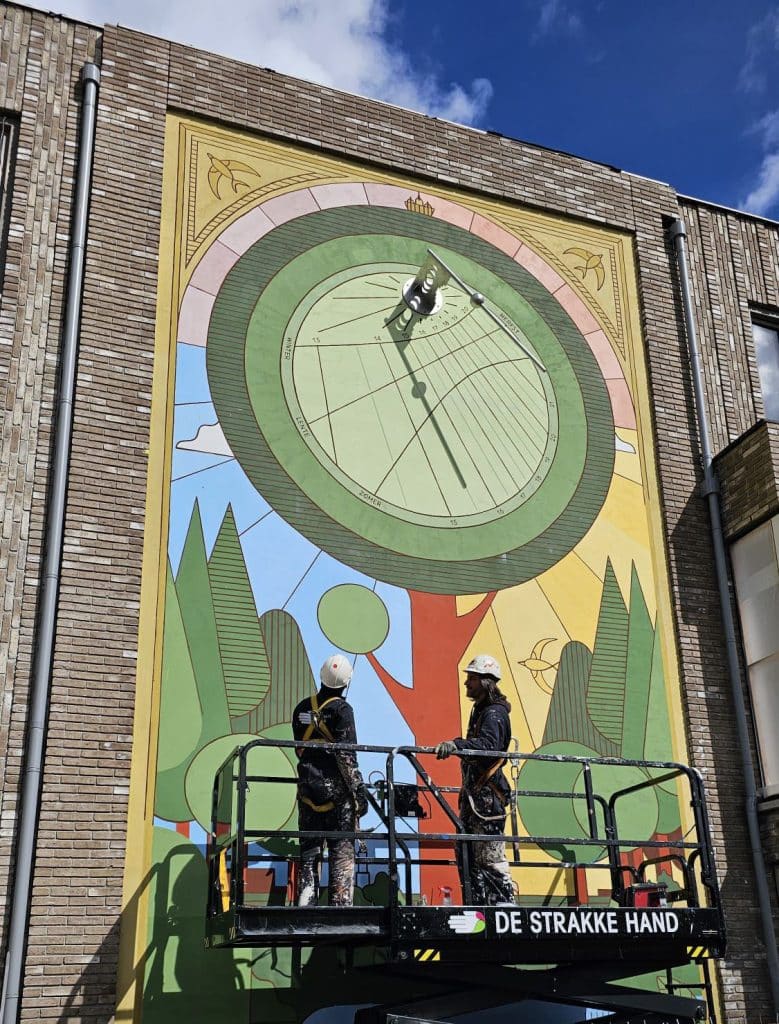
point(509, 934)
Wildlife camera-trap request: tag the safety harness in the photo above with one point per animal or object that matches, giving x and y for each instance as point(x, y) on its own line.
point(487, 779)
point(317, 731)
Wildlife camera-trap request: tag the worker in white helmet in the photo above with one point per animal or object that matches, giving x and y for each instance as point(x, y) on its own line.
point(485, 791)
point(331, 792)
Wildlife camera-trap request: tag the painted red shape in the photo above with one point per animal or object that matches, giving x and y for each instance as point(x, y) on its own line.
point(431, 708)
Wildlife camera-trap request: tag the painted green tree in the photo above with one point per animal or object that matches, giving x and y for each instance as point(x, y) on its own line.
point(608, 702)
point(241, 643)
point(612, 699)
point(225, 671)
point(193, 587)
point(228, 675)
point(182, 727)
point(606, 683)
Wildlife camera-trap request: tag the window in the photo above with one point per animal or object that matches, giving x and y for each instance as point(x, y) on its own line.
point(756, 575)
point(766, 337)
point(7, 145)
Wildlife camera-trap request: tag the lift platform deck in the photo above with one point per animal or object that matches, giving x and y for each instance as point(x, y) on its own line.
point(655, 901)
point(518, 935)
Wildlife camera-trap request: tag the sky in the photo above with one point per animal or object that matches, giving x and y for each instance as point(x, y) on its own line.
point(686, 93)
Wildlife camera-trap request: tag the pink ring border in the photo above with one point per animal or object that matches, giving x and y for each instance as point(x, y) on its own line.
point(222, 255)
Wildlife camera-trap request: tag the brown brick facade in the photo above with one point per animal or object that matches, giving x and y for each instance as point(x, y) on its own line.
point(748, 472)
point(73, 936)
point(41, 59)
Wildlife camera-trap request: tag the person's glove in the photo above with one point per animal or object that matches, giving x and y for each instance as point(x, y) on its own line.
point(445, 749)
point(361, 801)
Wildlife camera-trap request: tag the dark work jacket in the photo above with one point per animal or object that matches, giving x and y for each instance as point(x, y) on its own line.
point(489, 728)
point(325, 775)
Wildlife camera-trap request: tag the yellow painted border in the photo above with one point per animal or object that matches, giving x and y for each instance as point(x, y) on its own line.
point(648, 456)
point(140, 814)
point(665, 609)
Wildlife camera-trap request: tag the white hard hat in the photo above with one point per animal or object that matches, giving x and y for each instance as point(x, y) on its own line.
point(484, 665)
point(336, 672)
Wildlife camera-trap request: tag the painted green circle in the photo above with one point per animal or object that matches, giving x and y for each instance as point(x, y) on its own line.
point(540, 515)
point(452, 538)
point(636, 814)
point(551, 816)
point(546, 816)
point(268, 804)
point(353, 618)
point(668, 815)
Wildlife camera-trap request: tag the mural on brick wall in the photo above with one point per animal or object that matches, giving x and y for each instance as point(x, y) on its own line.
point(334, 473)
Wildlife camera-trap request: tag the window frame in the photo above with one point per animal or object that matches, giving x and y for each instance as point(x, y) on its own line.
point(9, 140)
point(765, 732)
point(768, 319)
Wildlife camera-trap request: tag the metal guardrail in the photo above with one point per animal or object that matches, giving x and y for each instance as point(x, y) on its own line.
point(235, 843)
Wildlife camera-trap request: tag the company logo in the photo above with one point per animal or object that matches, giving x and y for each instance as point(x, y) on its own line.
point(470, 922)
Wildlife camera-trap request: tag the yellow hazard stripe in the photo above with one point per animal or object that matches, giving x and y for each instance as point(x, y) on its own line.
point(427, 954)
point(698, 952)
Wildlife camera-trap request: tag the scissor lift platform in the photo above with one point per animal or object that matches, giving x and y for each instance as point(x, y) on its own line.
point(529, 935)
point(635, 922)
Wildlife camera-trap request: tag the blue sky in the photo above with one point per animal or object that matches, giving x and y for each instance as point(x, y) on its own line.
point(682, 92)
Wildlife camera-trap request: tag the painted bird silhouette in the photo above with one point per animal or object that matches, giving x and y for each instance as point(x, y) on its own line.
point(592, 262)
point(536, 664)
point(226, 170)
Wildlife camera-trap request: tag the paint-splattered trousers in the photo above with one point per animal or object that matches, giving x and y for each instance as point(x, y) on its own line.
point(488, 868)
point(340, 854)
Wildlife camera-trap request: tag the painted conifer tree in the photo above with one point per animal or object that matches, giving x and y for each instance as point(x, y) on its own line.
point(241, 644)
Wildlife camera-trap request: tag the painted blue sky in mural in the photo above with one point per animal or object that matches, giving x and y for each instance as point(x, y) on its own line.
point(684, 93)
point(286, 570)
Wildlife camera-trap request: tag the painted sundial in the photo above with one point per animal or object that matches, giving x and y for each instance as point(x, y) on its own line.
point(411, 447)
point(413, 411)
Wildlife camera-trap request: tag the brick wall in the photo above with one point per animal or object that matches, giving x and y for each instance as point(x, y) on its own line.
point(73, 935)
point(769, 831)
point(748, 472)
point(40, 62)
point(734, 264)
point(734, 261)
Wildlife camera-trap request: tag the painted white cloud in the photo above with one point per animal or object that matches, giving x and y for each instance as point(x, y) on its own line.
point(346, 45)
point(209, 439)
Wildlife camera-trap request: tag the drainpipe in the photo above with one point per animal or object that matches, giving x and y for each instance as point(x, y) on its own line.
point(710, 490)
point(43, 646)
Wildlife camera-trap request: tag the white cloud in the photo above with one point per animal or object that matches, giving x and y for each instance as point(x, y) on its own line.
point(557, 16)
point(346, 45)
point(762, 41)
point(768, 128)
point(209, 439)
point(765, 195)
point(758, 75)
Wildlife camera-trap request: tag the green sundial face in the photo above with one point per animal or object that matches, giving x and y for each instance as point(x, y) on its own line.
point(432, 453)
point(447, 423)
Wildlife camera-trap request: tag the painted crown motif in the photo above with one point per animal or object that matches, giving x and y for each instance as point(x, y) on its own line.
point(419, 205)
